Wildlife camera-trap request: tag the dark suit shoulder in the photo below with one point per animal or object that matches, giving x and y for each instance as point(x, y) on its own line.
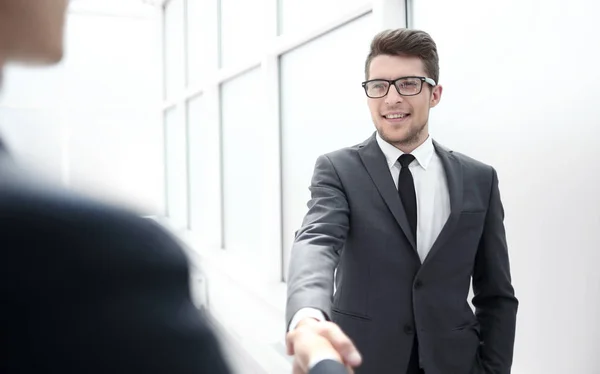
point(478, 176)
point(470, 165)
point(344, 154)
point(471, 162)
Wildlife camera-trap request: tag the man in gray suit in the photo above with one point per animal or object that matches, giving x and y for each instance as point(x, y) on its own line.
point(402, 225)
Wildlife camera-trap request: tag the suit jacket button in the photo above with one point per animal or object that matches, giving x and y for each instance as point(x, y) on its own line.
point(408, 329)
point(418, 284)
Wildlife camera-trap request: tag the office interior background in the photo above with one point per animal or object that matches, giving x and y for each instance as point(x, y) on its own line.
point(208, 115)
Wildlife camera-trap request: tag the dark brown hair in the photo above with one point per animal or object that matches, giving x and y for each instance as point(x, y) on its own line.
point(406, 42)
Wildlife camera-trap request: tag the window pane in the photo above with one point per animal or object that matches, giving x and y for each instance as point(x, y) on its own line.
point(35, 138)
point(110, 159)
point(202, 40)
point(205, 183)
point(243, 161)
point(317, 121)
point(174, 48)
point(175, 140)
point(242, 36)
point(296, 16)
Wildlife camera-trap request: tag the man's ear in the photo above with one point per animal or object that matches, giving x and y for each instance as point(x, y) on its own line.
point(436, 96)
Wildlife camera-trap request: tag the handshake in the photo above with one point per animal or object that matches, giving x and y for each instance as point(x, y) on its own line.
point(320, 347)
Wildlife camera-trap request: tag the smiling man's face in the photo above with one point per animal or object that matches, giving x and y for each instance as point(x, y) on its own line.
point(402, 120)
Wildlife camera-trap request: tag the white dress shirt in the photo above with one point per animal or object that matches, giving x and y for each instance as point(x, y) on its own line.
point(433, 201)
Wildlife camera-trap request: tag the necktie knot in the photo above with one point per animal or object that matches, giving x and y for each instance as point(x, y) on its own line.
point(406, 159)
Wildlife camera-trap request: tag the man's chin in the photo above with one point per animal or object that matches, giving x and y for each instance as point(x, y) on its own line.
point(397, 138)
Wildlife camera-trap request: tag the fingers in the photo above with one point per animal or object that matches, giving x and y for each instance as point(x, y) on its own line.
point(332, 333)
point(341, 342)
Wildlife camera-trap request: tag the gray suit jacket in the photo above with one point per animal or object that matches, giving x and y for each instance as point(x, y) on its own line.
point(384, 295)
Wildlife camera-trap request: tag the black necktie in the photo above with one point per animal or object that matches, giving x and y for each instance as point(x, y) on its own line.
point(406, 190)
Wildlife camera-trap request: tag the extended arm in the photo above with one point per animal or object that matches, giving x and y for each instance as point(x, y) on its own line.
point(316, 250)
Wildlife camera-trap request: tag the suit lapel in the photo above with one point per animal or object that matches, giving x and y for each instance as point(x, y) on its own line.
point(377, 167)
point(454, 178)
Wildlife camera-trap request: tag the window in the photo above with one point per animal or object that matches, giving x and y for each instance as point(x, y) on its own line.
point(202, 28)
point(176, 168)
point(174, 48)
point(243, 162)
point(242, 31)
point(40, 144)
point(204, 159)
point(338, 116)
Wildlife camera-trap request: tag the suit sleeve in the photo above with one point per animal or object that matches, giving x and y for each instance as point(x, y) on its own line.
point(494, 299)
point(316, 250)
point(328, 367)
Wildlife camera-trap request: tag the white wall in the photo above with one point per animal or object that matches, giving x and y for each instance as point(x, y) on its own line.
point(521, 85)
point(92, 122)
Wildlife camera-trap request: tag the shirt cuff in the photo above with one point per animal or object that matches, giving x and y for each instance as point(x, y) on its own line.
point(306, 313)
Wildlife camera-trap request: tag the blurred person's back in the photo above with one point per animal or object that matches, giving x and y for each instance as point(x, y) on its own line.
point(85, 288)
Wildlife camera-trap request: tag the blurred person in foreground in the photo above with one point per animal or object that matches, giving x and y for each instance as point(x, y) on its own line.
point(88, 288)
point(403, 226)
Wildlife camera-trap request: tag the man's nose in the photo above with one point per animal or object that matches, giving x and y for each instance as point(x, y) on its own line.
point(393, 97)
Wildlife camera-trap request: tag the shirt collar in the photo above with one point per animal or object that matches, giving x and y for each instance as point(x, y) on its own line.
point(423, 153)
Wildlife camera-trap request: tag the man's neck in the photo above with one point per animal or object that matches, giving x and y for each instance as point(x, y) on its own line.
point(411, 146)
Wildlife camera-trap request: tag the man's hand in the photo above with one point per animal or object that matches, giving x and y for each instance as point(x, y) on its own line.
point(314, 340)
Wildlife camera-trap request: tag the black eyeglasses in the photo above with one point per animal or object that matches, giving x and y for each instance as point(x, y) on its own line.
point(406, 86)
